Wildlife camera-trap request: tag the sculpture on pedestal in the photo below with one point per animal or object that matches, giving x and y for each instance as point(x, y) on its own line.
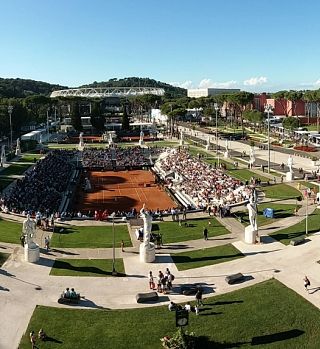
point(110, 141)
point(141, 138)
point(147, 248)
point(181, 138)
point(226, 153)
point(3, 158)
point(18, 149)
point(290, 163)
point(251, 231)
point(81, 143)
point(208, 143)
point(31, 249)
point(252, 157)
point(40, 139)
point(289, 174)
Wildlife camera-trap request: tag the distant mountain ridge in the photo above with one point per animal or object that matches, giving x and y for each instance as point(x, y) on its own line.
point(21, 88)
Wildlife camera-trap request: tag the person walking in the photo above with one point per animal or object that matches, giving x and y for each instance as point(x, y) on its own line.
point(306, 283)
point(205, 233)
point(122, 246)
point(47, 243)
point(199, 297)
point(151, 281)
point(33, 340)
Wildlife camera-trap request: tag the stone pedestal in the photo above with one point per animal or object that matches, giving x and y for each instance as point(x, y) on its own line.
point(18, 152)
point(147, 253)
point(31, 252)
point(289, 176)
point(226, 154)
point(141, 142)
point(250, 235)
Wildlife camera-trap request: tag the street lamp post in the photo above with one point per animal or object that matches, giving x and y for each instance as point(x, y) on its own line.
point(114, 272)
point(48, 130)
point(10, 109)
point(268, 109)
point(216, 107)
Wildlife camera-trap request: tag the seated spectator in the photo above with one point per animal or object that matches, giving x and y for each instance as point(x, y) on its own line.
point(42, 335)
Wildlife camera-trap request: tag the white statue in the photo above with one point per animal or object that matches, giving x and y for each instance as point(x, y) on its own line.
point(227, 145)
point(253, 213)
point(147, 225)
point(3, 158)
point(141, 136)
point(81, 143)
point(181, 137)
point(252, 157)
point(290, 163)
point(18, 149)
point(29, 229)
point(40, 139)
point(147, 248)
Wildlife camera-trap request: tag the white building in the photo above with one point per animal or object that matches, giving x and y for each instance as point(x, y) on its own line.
point(205, 92)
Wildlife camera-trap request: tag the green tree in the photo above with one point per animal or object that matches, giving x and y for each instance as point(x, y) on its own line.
point(125, 119)
point(280, 97)
point(97, 118)
point(290, 123)
point(76, 117)
point(293, 97)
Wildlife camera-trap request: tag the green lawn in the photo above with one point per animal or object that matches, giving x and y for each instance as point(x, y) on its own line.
point(266, 315)
point(5, 181)
point(10, 231)
point(280, 211)
point(162, 144)
point(205, 256)
point(29, 157)
point(15, 169)
point(281, 191)
point(245, 175)
point(299, 229)
point(86, 267)
point(3, 257)
point(90, 237)
point(171, 231)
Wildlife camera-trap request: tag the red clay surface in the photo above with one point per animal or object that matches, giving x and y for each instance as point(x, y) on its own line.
point(122, 190)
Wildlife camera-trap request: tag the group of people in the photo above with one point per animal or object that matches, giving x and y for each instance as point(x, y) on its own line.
point(111, 158)
point(163, 282)
point(42, 187)
point(188, 307)
point(70, 293)
point(204, 184)
point(33, 338)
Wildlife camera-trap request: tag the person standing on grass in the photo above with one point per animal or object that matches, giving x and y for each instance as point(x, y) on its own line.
point(306, 283)
point(33, 340)
point(205, 233)
point(199, 297)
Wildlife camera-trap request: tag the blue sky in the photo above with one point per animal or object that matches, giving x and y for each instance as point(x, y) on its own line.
point(253, 45)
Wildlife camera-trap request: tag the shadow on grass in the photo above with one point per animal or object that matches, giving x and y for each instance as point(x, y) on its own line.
point(54, 340)
point(282, 237)
point(91, 270)
point(187, 259)
point(204, 342)
point(276, 337)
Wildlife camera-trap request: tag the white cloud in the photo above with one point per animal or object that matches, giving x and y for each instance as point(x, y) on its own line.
point(186, 84)
point(207, 83)
point(317, 83)
point(256, 81)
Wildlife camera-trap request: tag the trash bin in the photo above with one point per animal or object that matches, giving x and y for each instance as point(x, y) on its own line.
point(268, 212)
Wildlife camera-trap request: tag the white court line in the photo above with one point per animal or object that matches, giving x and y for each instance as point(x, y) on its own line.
point(138, 195)
point(142, 191)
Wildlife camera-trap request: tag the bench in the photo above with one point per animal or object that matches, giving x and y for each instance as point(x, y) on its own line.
point(68, 300)
point(147, 297)
point(297, 241)
point(233, 278)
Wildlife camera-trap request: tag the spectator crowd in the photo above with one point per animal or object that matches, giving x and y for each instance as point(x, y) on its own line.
point(42, 187)
point(204, 184)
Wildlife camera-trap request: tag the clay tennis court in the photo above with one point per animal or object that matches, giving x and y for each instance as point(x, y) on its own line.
point(122, 190)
